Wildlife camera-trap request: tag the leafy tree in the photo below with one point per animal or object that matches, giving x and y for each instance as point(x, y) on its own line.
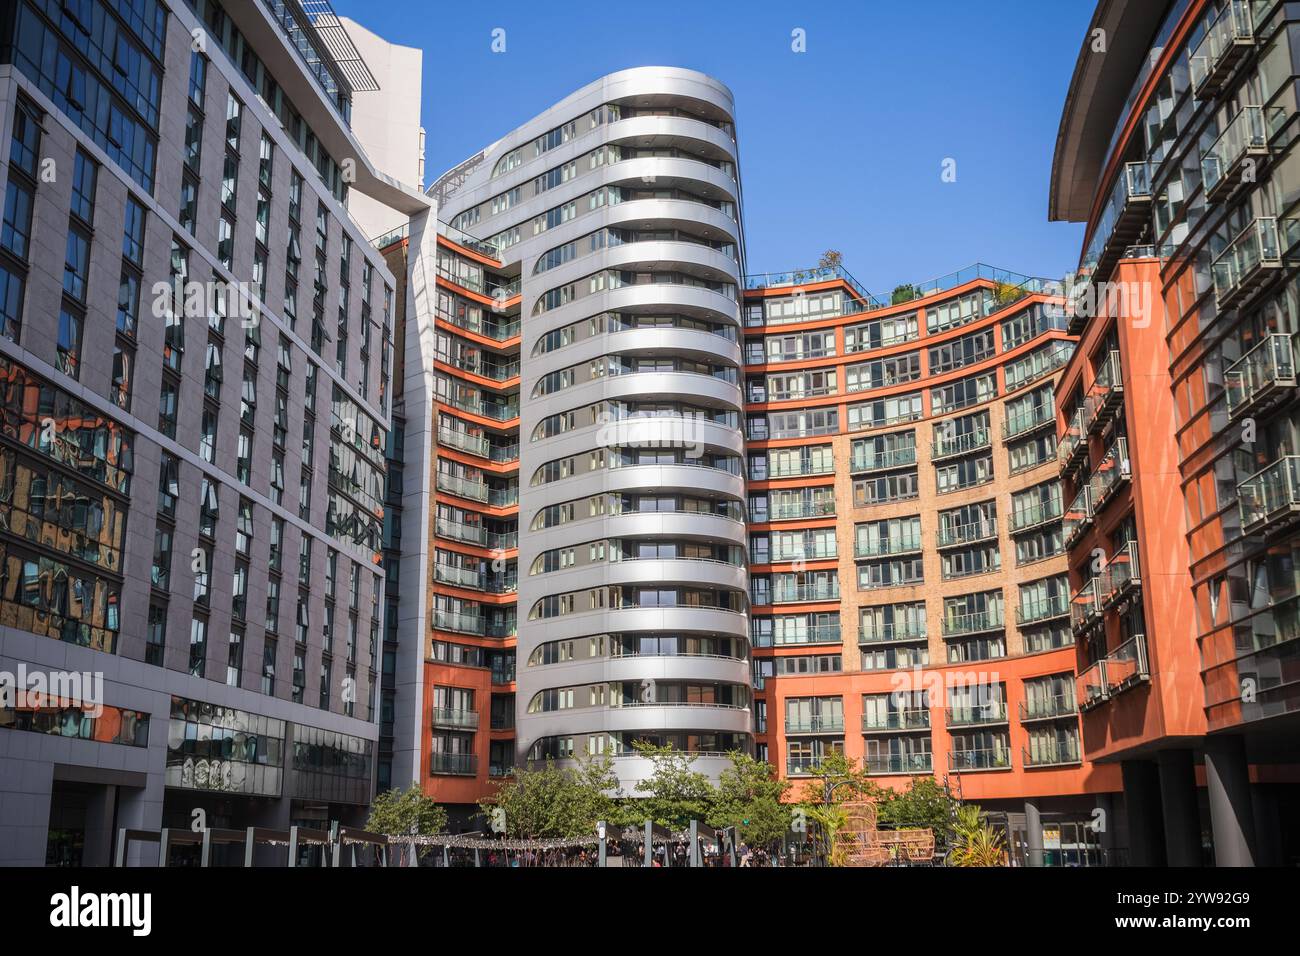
point(903, 293)
point(975, 842)
point(675, 794)
point(749, 798)
point(844, 779)
point(555, 802)
point(925, 803)
point(406, 812)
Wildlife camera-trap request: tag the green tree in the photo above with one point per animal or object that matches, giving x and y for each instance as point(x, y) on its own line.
point(925, 803)
point(903, 293)
point(551, 802)
point(749, 798)
point(674, 793)
point(406, 812)
point(842, 778)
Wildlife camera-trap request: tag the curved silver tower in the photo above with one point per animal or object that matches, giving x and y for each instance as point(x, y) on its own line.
point(621, 206)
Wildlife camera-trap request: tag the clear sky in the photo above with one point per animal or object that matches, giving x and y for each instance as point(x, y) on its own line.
point(842, 146)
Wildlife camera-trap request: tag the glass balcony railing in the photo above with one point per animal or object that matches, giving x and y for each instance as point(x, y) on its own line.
point(990, 712)
point(1073, 446)
point(910, 719)
point(799, 469)
point(1047, 708)
point(800, 632)
point(455, 718)
point(885, 764)
point(1271, 496)
point(814, 723)
point(1044, 609)
point(480, 324)
point(1126, 665)
point(1023, 422)
point(1113, 470)
point(1085, 605)
point(1121, 574)
point(1244, 137)
point(881, 460)
point(465, 623)
point(985, 759)
point(1056, 752)
point(1127, 210)
point(1221, 49)
point(1090, 685)
point(803, 764)
point(459, 531)
point(1265, 373)
point(960, 444)
point(893, 633)
point(1036, 513)
point(1078, 516)
point(470, 488)
point(1107, 393)
point(464, 441)
point(1246, 262)
point(458, 577)
point(952, 535)
point(503, 675)
point(457, 765)
point(797, 593)
point(792, 510)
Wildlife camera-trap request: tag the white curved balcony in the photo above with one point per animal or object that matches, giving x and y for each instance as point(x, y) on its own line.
point(682, 525)
point(713, 482)
point(654, 299)
point(665, 432)
point(671, 620)
point(684, 571)
point(708, 390)
point(660, 131)
point(682, 667)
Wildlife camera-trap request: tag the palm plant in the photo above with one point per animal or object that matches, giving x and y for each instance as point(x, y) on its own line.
point(975, 842)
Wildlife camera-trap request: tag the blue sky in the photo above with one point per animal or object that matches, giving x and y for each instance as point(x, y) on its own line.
point(841, 146)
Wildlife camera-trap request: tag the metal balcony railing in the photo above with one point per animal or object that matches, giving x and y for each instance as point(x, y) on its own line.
point(1045, 609)
point(1078, 516)
point(886, 764)
point(1244, 137)
point(460, 621)
point(459, 531)
point(1247, 262)
point(1024, 422)
point(1085, 605)
point(1270, 499)
point(911, 719)
point(1056, 752)
point(1073, 446)
point(1221, 49)
point(1121, 574)
point(981, 622)
point(893, 633)
point(1047, 708)
point(1115, 673)
point(1107, 393)
point(793, 510)
point(796, 593)
point(1113, 470)
point(883, 460)
point(456, 765)
point(814, 724)
point(969, 533)
point(977, 715)
point(464, 441)
point(986, 759)
point(1036, 514)
point(960, 444)
point(1263, 377)
point(472, 489)
point(883, 547)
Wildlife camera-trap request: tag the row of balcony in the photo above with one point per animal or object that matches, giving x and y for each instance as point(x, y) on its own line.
point(1053, 753)
point(1125, 215)
point(884, 460)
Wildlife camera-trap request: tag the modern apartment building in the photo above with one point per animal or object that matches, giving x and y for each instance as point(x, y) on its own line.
point(196, 354)
point(1178, 423)
point(909, 605)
